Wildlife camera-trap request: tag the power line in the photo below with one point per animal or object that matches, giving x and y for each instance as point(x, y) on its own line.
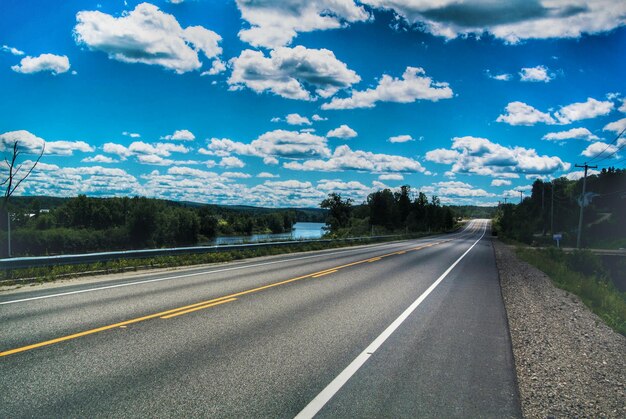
point(607, 147)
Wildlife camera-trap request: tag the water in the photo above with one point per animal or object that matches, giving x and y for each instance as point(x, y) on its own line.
point(301, 231)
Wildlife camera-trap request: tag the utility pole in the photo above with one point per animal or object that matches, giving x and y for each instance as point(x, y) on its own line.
point(9, 230)
point(552, 208)
point(505, 198)
point(521, 196)
point(582, 203)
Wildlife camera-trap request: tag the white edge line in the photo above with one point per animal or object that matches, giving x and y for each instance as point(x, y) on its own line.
point(331, 389)
point(41, 297)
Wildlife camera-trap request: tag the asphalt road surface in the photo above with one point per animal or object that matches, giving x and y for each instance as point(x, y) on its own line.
point(405, 329)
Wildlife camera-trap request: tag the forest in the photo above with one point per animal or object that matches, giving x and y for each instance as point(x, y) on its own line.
point(553, 207)
point(386, 212)
point(47, 226)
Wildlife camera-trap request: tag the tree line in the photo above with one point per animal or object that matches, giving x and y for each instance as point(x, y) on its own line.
point(84, 224)
point(386, 211)
point(553, 207)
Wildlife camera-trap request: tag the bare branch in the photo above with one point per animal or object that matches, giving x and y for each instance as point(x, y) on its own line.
point(43, 148)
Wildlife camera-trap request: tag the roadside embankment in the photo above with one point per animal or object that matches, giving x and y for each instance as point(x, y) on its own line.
point(568, 362)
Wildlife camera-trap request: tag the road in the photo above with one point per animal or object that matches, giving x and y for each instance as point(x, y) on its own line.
point(405, 329)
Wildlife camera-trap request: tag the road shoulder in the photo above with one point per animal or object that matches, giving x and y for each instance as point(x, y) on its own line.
point(568, 362)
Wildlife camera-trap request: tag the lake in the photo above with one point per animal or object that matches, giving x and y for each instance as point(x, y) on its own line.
point(301, 231)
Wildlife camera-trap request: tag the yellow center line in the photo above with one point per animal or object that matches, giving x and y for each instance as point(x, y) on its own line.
point(202, 304)
point(324, 273)
point(179, 313)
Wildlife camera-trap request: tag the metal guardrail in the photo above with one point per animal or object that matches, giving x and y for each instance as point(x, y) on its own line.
point(38, 261)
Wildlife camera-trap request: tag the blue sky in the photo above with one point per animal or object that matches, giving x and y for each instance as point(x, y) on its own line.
point(278, 103)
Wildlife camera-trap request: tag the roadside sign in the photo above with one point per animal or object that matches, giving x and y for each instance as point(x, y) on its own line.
point(557, 237)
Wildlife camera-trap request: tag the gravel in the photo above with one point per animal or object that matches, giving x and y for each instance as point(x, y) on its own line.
point(568, 362)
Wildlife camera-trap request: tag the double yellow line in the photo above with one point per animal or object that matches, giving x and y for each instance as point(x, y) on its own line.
point(208, 303)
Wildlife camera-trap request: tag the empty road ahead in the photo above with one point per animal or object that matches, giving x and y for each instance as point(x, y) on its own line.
point(406, 329)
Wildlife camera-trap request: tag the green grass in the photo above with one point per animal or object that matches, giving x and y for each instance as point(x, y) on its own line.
point(582, 273)
point(51, 273)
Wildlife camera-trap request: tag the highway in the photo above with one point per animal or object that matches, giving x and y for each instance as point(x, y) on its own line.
point(412, 328)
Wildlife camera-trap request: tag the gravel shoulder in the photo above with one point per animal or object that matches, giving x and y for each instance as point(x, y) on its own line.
point(568, 362)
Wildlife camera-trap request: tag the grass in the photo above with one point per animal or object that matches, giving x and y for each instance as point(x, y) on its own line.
point(582, 273)
point(51, 273)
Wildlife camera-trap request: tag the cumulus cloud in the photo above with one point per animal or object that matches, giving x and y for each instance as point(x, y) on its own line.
point(400, 139)
point(218, 66)
point(500, 182)
point(572, 134)
point(131, 134)
point(519, 113)
point(343, 158)
point(297, 119)
point(536, 74)
point(147, 35)
point(180, 135)
point(622, 108)
point(499, 77)
point(274, 24)
point(414, 85)
point(580, 173)
point(267, 175)
point(483, 157)
point(342, 131)
point(231, 162)
point(31, 144)
point(591, 108)
point(55, 64)
point(509, 20)
point(11, 50)
point(99, 158)
point(600, 149)
point(272, 144)
point(294, 73)
point(616, 126)
point(391, 176)
point(117, 149)
point(316, 118)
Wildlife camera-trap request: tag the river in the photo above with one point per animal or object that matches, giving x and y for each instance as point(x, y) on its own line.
point(300, 231)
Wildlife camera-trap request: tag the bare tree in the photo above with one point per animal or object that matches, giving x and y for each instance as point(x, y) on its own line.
point(15, 174)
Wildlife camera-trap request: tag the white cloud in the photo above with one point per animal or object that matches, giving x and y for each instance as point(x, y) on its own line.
point(343, 158)
point(599, 149)
point(230, 162)
point(500, 182)
point(511, 21)
point(616, 126)
point(574, 133)
point(400, 139)
point(218, 66)
point(316, 118)
point(147, 35)
point(31, 144)
point(277, 143)
point(583, 110)
point(14, 51)
point(99, 158)
point(131, 134)
point(483, 157)
point(56, 64)
point(180, 135)
point(536, 74)
point(274, 24)
point(414, 85)
point(297, 119)
point(267, 175)
point(519, 113)
point(579, 174)
point(500, 77)
point(159, 149)
point(391, 176)
point(622, 108)
point(117, 149)
point(293, 73)
point(236, 175)
point(342, 131)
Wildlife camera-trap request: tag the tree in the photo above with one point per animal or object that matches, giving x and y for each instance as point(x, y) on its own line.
point(15, 174)
point(339, 211)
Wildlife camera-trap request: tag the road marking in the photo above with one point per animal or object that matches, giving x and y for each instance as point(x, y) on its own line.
point(191, 310)
point(331, 389)
point(175, 310)
point(374, 259)
point(193, 274)
point(324, 273)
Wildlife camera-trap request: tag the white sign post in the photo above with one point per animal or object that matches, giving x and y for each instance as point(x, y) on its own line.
point(558, 238)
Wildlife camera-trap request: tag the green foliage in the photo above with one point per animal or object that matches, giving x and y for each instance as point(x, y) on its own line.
point(583, 274)
point(387, 212)
point(604, 218)
point(84, 224)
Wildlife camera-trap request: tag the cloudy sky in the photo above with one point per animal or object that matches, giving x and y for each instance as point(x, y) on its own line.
point(278, 103)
